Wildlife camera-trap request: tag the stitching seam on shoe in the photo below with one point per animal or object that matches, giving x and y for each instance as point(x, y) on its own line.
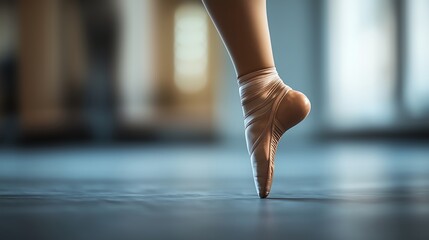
point(275, 117)
point(271, 157)
point(271, 120)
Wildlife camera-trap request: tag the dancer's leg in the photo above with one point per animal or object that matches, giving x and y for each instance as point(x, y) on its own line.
point(243, 27)
point(270, 107)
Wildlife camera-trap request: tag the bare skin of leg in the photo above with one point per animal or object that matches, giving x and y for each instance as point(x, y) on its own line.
point(243, 27)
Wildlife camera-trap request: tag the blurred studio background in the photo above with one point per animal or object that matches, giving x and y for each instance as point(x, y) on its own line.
point(101, 71)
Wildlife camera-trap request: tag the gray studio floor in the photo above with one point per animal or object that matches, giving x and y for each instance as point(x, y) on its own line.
point(321, 191)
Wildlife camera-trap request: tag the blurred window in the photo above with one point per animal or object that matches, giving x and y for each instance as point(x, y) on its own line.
point(361, 63)
point(190, 47)
point(417, 68)
point(137, 81)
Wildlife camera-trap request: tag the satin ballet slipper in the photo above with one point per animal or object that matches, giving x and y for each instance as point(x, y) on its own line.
point(270, 108)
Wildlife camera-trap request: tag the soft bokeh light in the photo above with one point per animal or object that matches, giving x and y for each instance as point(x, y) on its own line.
point(417, 71)
point(362, 63)
point(190, 48)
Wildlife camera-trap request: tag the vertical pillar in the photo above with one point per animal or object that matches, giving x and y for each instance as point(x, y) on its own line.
point(39, 64)
point(136, 87)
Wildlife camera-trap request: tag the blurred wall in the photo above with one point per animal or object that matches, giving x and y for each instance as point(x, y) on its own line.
point(157, 70)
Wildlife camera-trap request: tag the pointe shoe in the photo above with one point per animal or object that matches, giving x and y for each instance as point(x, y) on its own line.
point(270, 108)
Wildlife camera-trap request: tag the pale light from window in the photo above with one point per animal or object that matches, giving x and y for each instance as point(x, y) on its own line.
point(361, 59)
point(135, 65)
point(190, 48)
point(417, 69)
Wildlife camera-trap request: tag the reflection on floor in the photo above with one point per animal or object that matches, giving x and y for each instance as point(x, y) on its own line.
point(322, 191)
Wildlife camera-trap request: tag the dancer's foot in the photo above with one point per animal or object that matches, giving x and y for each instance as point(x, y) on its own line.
point(270, 108)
